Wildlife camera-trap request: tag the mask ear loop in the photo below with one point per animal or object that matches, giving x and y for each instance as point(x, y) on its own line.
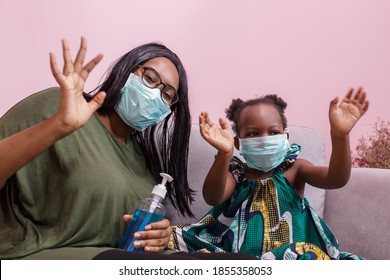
point(286, 131)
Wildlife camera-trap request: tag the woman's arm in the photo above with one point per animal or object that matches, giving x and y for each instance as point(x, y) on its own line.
point(73, 112)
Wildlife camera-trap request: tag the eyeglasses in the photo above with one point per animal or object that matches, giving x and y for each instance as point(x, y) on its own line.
point(151, 79)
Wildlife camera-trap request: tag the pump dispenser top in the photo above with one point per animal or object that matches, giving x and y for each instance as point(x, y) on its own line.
point(160, 189)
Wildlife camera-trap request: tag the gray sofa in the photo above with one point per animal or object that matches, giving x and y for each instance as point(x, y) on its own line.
point(358, 213)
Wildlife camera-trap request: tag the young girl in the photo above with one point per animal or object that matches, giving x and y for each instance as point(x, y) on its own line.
point(260, 208)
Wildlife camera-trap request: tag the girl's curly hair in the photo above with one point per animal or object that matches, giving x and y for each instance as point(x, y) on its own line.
point(233, 112)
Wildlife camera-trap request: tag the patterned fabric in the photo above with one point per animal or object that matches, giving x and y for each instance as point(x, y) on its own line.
point(266, 218)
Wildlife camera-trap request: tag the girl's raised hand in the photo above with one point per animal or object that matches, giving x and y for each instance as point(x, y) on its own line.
point(345, 115)
point(220, 138)
point(74, 111)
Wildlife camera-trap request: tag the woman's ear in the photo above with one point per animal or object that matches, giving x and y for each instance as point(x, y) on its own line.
point(237, 143)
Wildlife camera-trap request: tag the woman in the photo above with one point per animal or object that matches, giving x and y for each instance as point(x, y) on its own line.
point(68, 173)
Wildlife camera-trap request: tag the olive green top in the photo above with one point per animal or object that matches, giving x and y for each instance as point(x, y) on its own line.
point(74, 194)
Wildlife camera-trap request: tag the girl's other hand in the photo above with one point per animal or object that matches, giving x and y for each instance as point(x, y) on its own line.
point(345, 115)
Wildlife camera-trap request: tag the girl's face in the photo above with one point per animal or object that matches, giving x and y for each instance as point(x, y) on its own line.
point(260, 120)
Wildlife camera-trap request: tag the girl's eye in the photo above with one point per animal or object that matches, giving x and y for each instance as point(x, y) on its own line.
point(252, 134)
point(275, 132)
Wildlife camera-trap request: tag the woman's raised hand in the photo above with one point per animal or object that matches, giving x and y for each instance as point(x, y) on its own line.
point(74, 111)
point(220, 138)
point(345, 115)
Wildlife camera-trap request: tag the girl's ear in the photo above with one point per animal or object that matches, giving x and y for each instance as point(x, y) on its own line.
point(237, 143)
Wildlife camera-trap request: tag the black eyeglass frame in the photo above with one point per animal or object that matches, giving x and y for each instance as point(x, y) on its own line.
point(175, 99)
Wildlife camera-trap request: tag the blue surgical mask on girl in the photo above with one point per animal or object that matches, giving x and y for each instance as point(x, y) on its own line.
point(264, 153)
point(140, 106)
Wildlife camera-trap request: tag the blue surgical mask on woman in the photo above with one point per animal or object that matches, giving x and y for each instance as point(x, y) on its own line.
point(264, 153)
point(140, 106)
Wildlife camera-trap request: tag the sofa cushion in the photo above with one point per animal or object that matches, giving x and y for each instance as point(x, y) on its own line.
point(358, 213)
point(312, 149)
point(201, 157)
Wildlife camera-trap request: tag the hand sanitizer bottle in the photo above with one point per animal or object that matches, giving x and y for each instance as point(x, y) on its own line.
point(151, 210)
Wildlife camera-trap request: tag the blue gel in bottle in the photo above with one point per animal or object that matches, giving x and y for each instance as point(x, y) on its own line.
point(151, 210)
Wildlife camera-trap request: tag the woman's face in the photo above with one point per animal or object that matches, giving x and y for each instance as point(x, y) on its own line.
point(165, 69)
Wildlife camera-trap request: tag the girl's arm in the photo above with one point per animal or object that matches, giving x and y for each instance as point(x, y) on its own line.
point(73, 112)
point(343, 118)
point(219, 183)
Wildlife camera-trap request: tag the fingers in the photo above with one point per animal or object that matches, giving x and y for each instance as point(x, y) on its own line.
point(348, 96)
point(79, 62)
point(156, 230)
point(333, 103)
point(362, 96)
point(155, 237)
point(127, 218)
point(204, 124)
point(151, 237)
point(358, 98)
point(354, 101)
point(207, 118)
point(223, 124)
point(68, 63)
point(364, 109)
point(89, 67)
point(205, 121)
point(201, 118)
point(97, 101)
point(163, 224)
point(58, 76)
point(152, 247)
point(78, 65)
point(360, 101)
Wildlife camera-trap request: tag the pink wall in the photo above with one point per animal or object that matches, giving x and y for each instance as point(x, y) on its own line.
point(306, 51)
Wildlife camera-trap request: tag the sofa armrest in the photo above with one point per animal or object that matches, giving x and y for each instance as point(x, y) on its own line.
point(359, 213)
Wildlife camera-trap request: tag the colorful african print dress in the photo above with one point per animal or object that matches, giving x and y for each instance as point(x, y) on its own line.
point(266, 218)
